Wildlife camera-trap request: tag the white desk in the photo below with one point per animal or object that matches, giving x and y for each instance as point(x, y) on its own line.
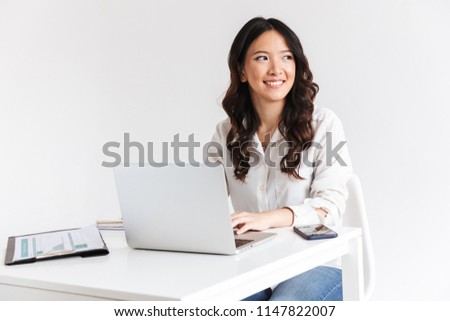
point(127, 274)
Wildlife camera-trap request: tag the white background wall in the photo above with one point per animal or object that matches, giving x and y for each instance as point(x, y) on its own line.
point(77, 74)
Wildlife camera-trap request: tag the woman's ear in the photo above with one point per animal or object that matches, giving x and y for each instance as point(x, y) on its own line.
point(242, 74)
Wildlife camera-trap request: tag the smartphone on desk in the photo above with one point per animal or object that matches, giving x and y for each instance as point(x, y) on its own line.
point(315, 232)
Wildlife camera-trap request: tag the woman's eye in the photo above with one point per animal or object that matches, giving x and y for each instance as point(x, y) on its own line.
point(288, 57)
point(261, 58)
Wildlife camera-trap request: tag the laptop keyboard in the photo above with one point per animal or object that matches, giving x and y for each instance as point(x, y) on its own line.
point(241, 242)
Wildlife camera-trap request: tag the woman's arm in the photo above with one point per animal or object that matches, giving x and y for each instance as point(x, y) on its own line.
point(282, 217)
point(332, 171)
point(328, 194)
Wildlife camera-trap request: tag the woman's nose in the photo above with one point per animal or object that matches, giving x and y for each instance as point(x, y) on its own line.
point(275, 69)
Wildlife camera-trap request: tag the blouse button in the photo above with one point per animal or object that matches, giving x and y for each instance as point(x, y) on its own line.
point(261, 187)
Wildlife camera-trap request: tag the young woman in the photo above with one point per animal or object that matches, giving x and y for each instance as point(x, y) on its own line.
point(286, 161)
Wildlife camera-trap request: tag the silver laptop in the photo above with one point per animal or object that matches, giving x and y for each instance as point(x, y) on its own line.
point(175, 208)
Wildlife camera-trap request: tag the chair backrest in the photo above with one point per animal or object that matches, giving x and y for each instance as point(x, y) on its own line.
point(355, 215)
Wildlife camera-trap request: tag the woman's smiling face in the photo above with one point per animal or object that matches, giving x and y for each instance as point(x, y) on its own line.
point(269, 68)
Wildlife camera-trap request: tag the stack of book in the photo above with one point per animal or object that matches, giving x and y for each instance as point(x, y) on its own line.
point(111, 225)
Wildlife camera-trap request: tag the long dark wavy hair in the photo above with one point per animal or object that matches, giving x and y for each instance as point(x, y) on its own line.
point(295, 124)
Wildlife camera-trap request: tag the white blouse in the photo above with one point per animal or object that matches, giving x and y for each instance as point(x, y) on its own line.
point(325, 167)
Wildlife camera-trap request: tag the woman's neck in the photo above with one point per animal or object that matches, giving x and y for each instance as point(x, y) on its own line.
point(269, 116)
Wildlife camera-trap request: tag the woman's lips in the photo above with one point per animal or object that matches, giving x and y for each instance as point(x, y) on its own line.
point(273, 83)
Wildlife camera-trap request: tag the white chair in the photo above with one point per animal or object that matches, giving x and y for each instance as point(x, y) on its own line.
point(355, 215)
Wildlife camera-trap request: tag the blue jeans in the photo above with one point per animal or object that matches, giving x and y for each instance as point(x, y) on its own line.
point(323, 283)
